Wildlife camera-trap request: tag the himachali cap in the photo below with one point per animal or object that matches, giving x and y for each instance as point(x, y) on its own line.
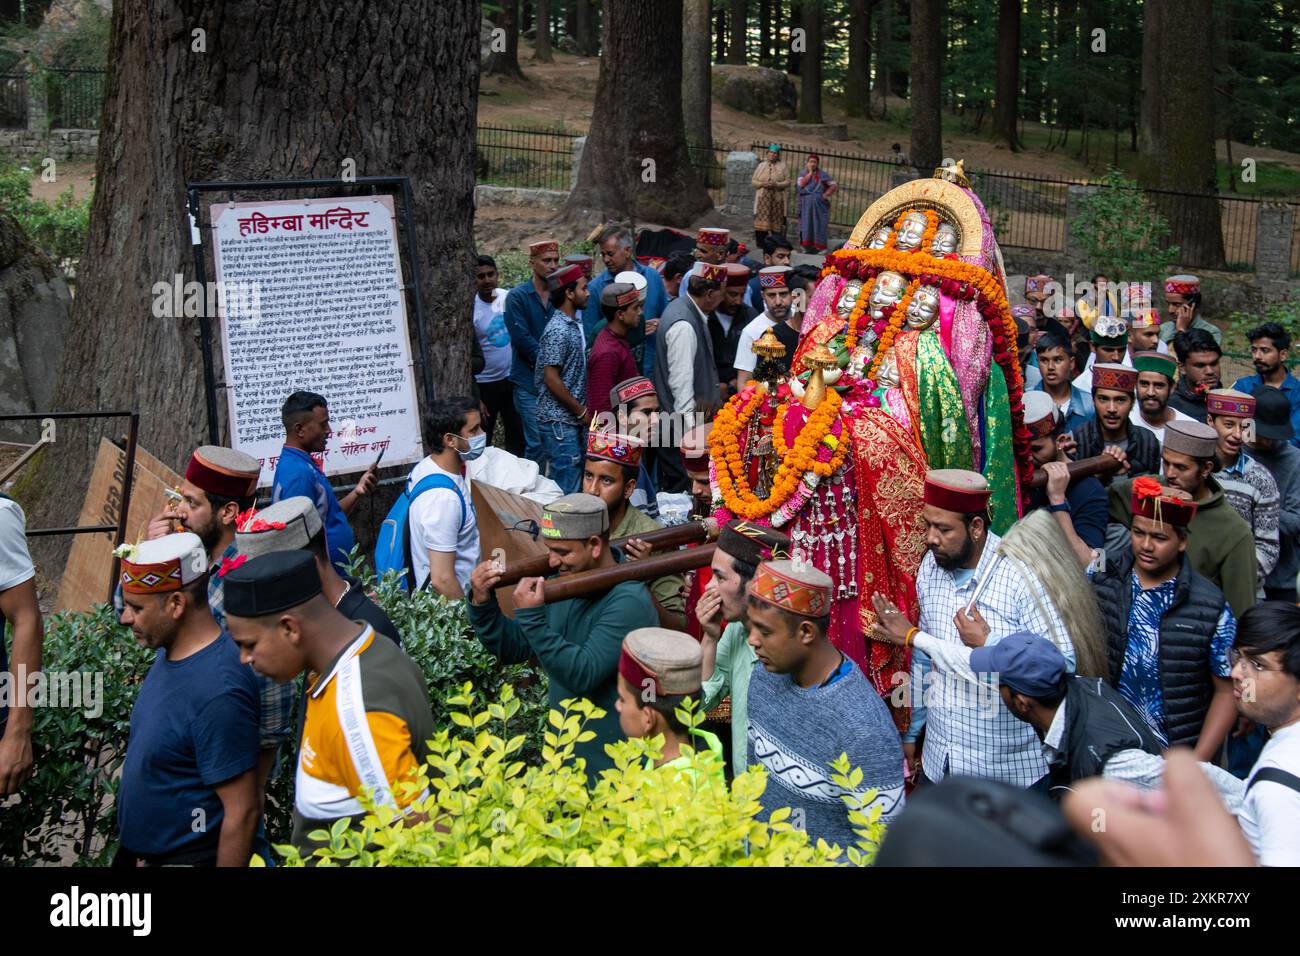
point(1136, 297)
point(1022, 311)
point(773, 277)
point(1037, 283)
point(955, 489)
point(578, 259)
point(635, 279)
point(1193, 438)
point(164, 564)
point(1164, 505)
point(670, 662)
point(737, 274)
point(271, 583)
point(543, 247)
point(618, 295)
point(711, 270)
point(711, 236)
point(1229, 401)
point(620, 449)
point(752, 543)
point(630, 389)
point(1041, 415)
point(798, 589)
point(575, 517)
point(223, 471)
point(1119, 378)
point(287, 525)
point(1144, 319)
point(695, 451)
point(563, 276)
point(1183, 284)
point(1153, 361)
point(1109, 330)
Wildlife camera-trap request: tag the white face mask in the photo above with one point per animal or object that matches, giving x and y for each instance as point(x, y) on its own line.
point(477, 445)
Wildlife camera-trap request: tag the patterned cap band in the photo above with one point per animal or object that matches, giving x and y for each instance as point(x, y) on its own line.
point(1022, 311)
point(710, 270)
point(1229, 401)
point(954, 489)
point(164, 564)
point(1156, 362)
point(629, 390)
point(1144, 319)
point(804, 591)
point(1137, 295)
point(1041, 415)
point(1182, 285)
point(223, 471)
point(1152, 500)
point(713, 237)
point(773, 277)
point(578, 259)
point(151, 578)
point(543, 247)
point(1116, 377)
point(620, 449)
point(1037, 283)
point(563, 276)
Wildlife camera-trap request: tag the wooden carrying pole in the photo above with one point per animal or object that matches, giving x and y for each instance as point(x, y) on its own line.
point(693, 532)
point(1084, 468)
point(585, 583)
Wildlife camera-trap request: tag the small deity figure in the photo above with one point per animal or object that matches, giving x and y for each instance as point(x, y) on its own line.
point(879, 239)
point(888, 289)
point(848, 298)
point(911, 232)
point(945, 240)
point(924, 308)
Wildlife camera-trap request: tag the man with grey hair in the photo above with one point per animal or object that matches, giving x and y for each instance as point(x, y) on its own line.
point(292, 524)
point(615, 243)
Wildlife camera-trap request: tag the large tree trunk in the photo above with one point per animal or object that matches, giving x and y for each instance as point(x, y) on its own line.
point(738, 24)
point(764, 32)
point(810, 79)
point(927, 64)
point(1005, 110)
point(542, 45)
point(1184, 159)
point(586, 29)
point(697, 76)
point(635, 164)
point(1150, 122)
point(794, 58)
point(884, 45)
point(857, 82)
point(505, 62)
point(259, 104)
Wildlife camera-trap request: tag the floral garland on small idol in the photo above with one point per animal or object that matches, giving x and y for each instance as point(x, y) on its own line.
point(958, 280)
point(895, 315)
point(858, 311)
point(927, 237)
point(816, 453)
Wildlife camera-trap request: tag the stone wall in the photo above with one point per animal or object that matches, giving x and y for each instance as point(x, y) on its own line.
point(61, 145)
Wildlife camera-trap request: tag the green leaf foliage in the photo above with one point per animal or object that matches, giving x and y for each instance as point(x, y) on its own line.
point(1122, 233)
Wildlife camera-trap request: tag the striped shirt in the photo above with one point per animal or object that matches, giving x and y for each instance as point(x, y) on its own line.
point(367, 724)
point(969, 731)
point(1253, 494)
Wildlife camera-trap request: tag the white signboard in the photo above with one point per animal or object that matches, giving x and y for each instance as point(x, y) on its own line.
point(313, 301)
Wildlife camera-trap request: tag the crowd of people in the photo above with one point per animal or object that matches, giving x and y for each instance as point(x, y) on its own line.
point(1186, 543)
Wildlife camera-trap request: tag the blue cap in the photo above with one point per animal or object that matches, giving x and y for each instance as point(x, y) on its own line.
point(1026, 663)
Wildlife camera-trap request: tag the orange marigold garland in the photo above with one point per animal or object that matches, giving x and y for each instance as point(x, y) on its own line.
point(856, 314)
point(896, 320)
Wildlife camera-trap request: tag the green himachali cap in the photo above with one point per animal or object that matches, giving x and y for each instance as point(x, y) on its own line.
point(1160, 362)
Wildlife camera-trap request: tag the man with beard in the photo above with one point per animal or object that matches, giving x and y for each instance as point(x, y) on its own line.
point(726, 323)
point(1220, 545)
point(1269, 346)
point(776, 252)
point(610, 473)
point(1155, 380)
point(306, 420)
point(1110, 430)
point(775, 284)
point(1198, 357)
point(1079, 506)
point(221, 483)
point(724, 631)
point(192, 753)
point(1168, 628)
point(960, 565)
point(578, 641)
point(1247, 484)
point(1183, 298)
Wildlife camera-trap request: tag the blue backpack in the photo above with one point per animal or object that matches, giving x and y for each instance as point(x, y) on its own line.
point(393, 548)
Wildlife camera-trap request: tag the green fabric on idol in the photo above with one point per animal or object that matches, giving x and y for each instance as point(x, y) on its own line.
point(945, 433)
point(999, 457)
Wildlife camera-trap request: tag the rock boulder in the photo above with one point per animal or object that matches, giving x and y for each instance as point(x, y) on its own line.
point(755, 89)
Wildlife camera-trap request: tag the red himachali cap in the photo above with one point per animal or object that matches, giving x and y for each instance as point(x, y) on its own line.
point(800, 589)
point(630, 389)
point(1119, 378)
point(223, 471)
point(955, 489)
point(563, 276)
point(737, 274)
point(1182, 284)
point(543, 247)
point(1164, 505)
point(1229, 401)
point(620, 449)
point(710, 236)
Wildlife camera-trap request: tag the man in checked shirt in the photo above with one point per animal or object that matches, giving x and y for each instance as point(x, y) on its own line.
point(969, 731)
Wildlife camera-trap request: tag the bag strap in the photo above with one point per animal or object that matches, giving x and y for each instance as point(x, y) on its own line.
point(1276, 775)
point(429, 482)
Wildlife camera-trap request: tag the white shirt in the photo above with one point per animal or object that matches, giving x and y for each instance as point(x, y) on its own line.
point(1083, 380)
point(681, 343)
point(1270, 813)
point(493, 337)
point(969, 731)
point(435, 524)
point(1136, 418)
point(15, 560)
point(751, 333)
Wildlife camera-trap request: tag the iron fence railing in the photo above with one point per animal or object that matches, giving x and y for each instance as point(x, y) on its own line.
point(534, 159)
point(13, 100)
point(74, 99)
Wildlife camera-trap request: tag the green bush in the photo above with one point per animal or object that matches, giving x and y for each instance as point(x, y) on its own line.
point(486, 807)
point(58, 228)
point(1123, 234)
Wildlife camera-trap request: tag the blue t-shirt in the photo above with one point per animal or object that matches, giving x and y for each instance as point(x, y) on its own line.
point(194, 725)
point(296, 474)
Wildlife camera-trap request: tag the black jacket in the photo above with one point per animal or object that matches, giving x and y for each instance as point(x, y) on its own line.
point(1142, 446)
point(1099, 723)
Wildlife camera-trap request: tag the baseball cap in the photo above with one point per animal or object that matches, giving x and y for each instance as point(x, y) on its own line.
point(1025, 662)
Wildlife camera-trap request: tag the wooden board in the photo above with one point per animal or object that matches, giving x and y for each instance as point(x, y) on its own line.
point(85, 577)
point(497, 512)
